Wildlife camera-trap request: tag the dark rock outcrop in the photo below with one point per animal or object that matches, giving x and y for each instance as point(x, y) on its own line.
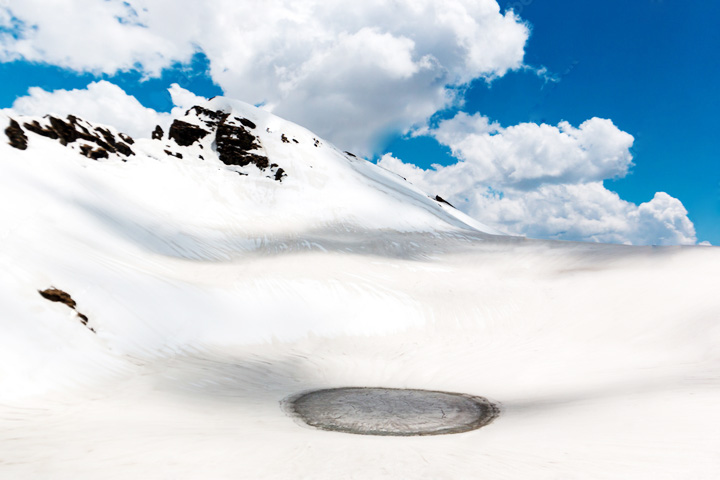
point(94, 153)
point(16, 135)
point(158, 133)
point(116, 146)
point(246, 122)
point(74, 129)
point(211, 118)
point(280, 174)
point(235, 143)
point(234, 146)
point(438, 198)
point(185, 134)
point(57, 295)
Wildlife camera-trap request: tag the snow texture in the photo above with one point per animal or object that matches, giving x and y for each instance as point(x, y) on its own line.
point(215, 289)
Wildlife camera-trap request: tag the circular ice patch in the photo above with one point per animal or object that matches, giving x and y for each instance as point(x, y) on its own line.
point(391, 411)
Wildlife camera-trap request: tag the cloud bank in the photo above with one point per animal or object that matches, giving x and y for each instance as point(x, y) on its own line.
point(546, 181)
point(351, 71)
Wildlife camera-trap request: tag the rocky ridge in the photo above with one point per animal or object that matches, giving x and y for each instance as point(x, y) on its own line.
point(230, 137)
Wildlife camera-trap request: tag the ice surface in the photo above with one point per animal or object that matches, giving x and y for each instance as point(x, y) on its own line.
point(215, 291)
point(390, 411)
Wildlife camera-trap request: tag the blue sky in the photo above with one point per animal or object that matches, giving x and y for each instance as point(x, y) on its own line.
point(651, 67)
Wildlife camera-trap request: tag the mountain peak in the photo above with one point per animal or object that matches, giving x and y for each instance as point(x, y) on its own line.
point(274, 173)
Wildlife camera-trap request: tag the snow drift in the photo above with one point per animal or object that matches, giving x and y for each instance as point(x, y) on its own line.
point(195, 278)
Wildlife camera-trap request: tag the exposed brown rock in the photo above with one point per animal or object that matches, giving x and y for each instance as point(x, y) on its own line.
point(246, 122)
point(35, 127)
point(16, 135)
point(234, 144)
point(84, 320)
point(284, 138)
point(185, 134)
point(158, 133)
point(211, 118)
point(94, 153)
point(72, 130)
point(56, 295)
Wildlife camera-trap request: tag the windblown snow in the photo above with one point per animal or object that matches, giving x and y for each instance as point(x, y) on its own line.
point(160, 297)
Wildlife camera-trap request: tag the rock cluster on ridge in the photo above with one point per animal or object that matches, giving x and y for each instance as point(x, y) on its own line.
point(288, 173)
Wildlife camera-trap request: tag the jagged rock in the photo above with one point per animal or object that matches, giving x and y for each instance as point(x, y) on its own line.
point(185, 134)
point(178, 155)
point(57, 295)
point(211, 118)
point(158, 133)
point(246, 122)
point(94, 153)
point(351, 154)
point(116, 146)
point(279, 174)
point(84, 320)
point(234, 144)
point(35, 127)
point(126, 138)
point(284, 138)
point(16, 135)
point(438, 198)
point(72, 130)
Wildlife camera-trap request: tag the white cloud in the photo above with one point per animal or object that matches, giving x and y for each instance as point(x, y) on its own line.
point(105, 103)
point(546, 182)
point(527, 155)
point(351, 71)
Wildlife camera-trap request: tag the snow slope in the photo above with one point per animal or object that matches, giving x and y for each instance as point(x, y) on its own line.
point(265, 262)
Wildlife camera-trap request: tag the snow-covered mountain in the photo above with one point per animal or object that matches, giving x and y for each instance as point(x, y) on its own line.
point(161, 296)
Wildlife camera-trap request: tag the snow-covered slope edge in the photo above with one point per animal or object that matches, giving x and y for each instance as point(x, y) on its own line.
point(212, 289)
point(95, 213)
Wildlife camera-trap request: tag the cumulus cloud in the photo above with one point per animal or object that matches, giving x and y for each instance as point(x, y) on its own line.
point(105, 103)
point(528, 155)
point(545, 181)
point(351, 71)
